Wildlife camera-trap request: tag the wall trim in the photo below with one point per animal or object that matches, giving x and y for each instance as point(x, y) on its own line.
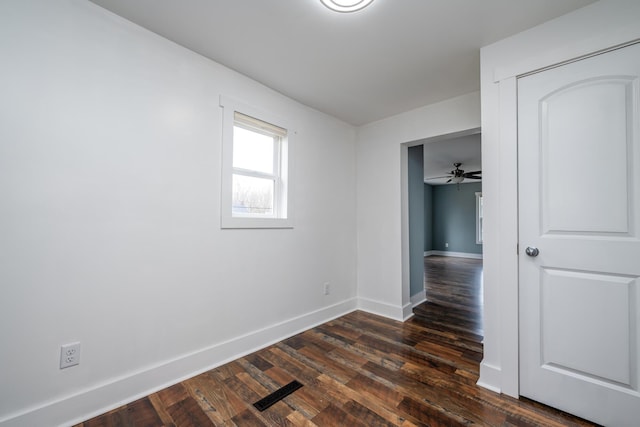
point(383, 309)
point(453, 254)
point(104, 397)
point(407, 311)
point(489, 377)
point(418, 298)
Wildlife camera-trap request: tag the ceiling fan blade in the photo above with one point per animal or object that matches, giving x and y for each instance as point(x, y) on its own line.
point(437, 177)
point(474, 173)
point(473, 177)
point(449, 180)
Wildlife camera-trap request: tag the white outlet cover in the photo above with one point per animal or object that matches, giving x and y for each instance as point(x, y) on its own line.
point(69, 355)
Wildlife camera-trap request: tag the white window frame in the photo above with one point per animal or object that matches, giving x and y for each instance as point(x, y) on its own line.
point(253, 118)
point(479, 218)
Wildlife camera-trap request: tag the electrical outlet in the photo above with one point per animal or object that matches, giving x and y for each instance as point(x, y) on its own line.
point(446, 245)
point(69, 355)
point(327, 288)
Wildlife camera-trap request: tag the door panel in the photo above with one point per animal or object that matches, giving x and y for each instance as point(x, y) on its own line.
point(579, 204)
point(572, 137)
point(568, 340)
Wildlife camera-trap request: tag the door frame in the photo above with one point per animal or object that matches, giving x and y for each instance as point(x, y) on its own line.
point(499, 369)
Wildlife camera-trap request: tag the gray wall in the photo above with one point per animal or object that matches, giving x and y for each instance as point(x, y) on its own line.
point(454, 218)
point(416, 219)
point(428, 217)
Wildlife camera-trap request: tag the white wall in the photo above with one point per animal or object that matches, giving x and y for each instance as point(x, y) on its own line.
point(110, 143)
point(383, 285)
point(599, 26)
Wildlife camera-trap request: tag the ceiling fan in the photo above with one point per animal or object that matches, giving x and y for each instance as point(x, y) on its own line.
point(458, 175)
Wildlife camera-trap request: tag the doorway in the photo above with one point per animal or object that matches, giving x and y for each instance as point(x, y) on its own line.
point(444, 214)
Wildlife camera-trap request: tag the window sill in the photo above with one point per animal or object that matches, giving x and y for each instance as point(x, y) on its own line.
point(237, 223)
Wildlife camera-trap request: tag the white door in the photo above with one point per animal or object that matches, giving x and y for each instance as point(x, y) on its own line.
point(579, 205)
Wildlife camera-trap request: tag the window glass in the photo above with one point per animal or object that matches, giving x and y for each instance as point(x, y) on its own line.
point(253, 150)
point(252, 195)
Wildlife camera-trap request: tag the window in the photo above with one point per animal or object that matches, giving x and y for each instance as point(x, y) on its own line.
point(479, 218)
point(255, 181)
point(257, 154)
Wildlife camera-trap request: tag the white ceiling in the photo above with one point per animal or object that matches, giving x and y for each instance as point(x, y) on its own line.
point(440, 156)
point(394, 56)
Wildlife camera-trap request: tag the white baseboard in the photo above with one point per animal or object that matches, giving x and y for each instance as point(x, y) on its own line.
point(407, 311)
point(382, 309)
point(453, 254)
point(91, 402)
point(418, 298)
point(490, 377)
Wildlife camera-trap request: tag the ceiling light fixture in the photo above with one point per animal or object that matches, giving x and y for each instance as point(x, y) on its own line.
point(346, 5)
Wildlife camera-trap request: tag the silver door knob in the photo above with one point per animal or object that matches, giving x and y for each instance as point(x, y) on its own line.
point(533, 252)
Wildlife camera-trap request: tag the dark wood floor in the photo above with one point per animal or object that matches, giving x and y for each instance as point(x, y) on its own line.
point(454, 294)
point(357, 370)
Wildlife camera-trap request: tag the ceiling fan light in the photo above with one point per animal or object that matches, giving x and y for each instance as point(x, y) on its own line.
point(346, 5)
point(457, 179)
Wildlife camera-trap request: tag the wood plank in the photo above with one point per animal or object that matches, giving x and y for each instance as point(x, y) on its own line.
point(164, 416)
point(187, 413)
point(314, 356)
point(299, 420)
point(430, 415)
point(248, 419)
point(217, 400)
point(138, 413)
point(172, 395)
point(334, 416)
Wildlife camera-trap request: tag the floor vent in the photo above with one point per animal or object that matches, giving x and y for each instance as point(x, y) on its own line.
point(277, 395)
